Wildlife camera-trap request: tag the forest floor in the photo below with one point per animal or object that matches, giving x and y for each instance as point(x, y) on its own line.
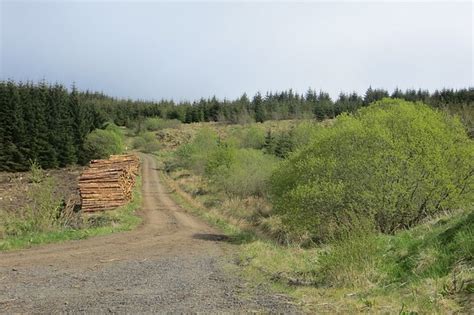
point(173, 262)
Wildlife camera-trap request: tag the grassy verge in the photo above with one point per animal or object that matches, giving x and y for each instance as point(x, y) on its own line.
point(425, 270)
point(428, 269)
point(236, 234)
point(120, 219)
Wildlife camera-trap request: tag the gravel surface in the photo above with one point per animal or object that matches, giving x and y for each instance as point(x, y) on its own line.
point(165, 266)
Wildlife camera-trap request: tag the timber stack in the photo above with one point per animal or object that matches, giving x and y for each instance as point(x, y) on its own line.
point(108, 183)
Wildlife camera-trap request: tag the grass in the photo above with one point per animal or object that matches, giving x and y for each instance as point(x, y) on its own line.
point(428, 269)
point(236, 234)
point(118, 220)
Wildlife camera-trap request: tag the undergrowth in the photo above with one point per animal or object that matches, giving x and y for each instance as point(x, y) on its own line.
point(33, 231)
point(427, 269)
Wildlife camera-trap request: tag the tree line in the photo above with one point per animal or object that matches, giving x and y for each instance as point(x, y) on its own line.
point(270, 106)
point(48, 123)
point(43, 123)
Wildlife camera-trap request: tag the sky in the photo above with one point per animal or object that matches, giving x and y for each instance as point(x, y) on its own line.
point(187, 50)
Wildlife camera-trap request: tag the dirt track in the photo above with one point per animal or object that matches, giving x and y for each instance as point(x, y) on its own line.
point(172, 263)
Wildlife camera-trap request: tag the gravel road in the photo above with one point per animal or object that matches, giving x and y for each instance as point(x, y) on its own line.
point(173, 263)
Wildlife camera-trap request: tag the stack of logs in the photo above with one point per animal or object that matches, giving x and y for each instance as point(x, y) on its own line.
point(108, 184)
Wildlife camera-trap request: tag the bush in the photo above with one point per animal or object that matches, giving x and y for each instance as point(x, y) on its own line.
point(36, 172)
point(253, 138)
point(41, 215)
point(138, 143)
point(101, 144)
point(303, 132)
point(154, 124)
point(241, 172)
point(194, 155)
point(388, 167)
point(113, 128)
point(146, 142)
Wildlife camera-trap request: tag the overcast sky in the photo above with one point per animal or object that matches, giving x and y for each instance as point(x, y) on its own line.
point(154, 50)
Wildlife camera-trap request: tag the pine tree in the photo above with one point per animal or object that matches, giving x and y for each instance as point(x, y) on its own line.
point(269, 144)
point(258, 108)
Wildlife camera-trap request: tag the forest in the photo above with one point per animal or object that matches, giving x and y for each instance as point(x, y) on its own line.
point(49, 123)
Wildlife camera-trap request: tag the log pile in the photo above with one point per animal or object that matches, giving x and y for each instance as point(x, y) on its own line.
point(108, 184)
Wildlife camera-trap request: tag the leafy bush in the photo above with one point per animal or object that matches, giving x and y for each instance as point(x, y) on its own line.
point(253, 138)
point(113, 128)
point(40, 215)
point(138, 143)
point(388, 167)
point(194, 155)
point(303, 132)
point(220, 159)
point(36, 172)
point(154, 124)
point(282, 142)
point(146, 142)
point(241, 172)
point(101, 144)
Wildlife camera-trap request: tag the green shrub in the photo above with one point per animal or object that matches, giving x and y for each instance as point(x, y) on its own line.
point(101, 144)
point(253, 138)
point(220, 158)
point(42, 214)
point(113, 128)
point(303, 132)
point(154, 124)
point(242, 172)
point(194, 155)
point(146, 142)
point(138, 143)
point(36, 172)
point(282, 142)
point(388, 167)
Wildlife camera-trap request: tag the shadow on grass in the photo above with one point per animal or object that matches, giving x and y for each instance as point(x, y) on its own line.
point(236, 238)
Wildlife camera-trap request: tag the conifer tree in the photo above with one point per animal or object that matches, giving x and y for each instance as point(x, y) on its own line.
point(258, 108)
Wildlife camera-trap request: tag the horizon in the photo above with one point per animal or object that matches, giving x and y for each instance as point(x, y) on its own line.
point(188, 51)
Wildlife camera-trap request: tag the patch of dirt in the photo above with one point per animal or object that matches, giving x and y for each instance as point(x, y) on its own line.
point(172, 263)
point(15, 187)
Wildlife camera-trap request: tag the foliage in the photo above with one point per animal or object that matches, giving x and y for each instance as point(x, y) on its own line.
point(44, 123)
point(271, 106)
point(155, 123)
point(427, 269)
point(36, 172)
point(121, 219)
point(194, 155)
point(388, 167)
point(146, 142)
point(100, 144)
point(241, 172)
point(253, 138)
point(43, 212)
point(49, 123)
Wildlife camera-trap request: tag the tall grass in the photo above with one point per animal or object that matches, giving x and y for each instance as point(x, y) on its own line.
point(41, 214)
point(44, 221)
